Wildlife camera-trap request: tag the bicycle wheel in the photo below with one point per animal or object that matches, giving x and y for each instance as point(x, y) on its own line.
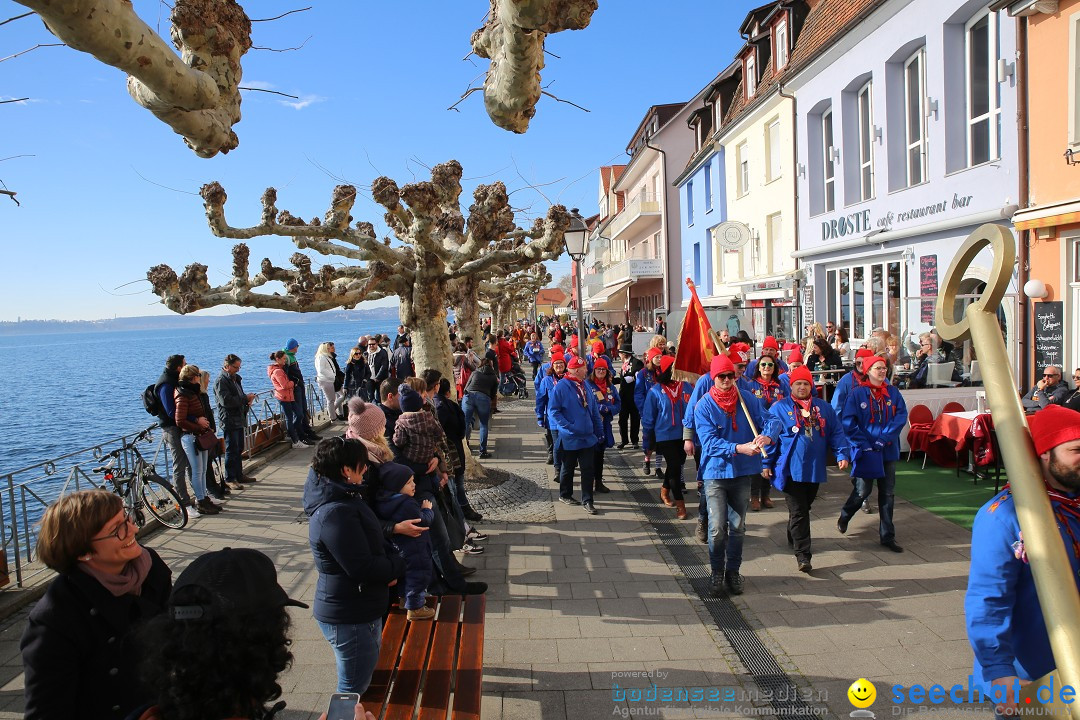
point(163, 503)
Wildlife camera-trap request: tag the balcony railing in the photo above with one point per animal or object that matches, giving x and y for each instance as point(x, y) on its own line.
point(641, 210)
point(634, 269)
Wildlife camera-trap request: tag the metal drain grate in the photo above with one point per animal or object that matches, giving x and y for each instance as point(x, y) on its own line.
point(767, 674)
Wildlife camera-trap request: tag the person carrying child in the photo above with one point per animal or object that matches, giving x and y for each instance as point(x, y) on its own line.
point(396, 502)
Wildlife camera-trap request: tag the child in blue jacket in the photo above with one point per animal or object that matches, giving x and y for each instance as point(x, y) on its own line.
point(607, 399)
point(662, 419)
point(396, 502)
point(644, 382)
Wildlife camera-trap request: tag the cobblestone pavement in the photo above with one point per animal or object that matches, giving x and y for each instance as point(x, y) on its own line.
point(514, 498)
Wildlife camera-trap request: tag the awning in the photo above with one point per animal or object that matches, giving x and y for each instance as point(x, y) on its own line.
point(607, 296)
point(1065, 213)
point(783, 277)
point(717, 301)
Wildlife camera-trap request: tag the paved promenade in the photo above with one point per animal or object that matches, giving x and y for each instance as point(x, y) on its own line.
point(582, 604)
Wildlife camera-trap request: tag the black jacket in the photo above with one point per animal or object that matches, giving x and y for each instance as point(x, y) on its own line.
point(170, 379)
point(350, 553)
point(78, 649)
point(380, 365)
point(625, 381)
point(452, 420)
point(232, 404)
point(357, 373)
point(484, 382)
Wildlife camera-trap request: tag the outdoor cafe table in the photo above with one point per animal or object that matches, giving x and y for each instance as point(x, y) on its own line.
point(950, 436)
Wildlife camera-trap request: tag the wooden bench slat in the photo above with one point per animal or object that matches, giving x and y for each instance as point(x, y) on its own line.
point(410, 667)
point(440, 665)
point(392, 635)
point(470, 665)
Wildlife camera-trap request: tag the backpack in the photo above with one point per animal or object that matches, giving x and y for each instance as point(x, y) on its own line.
point(151, 401)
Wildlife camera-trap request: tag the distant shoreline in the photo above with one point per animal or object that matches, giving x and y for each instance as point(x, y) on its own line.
point(379, 316)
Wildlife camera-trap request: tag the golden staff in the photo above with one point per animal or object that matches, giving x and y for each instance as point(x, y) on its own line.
point(1042, 540)
point(721, 350)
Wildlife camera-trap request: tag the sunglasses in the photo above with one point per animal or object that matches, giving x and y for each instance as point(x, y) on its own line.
point(766, 365)
point(726, 376)
point(1049, 375)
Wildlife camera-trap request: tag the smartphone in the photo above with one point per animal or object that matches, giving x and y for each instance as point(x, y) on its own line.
point(342, 706)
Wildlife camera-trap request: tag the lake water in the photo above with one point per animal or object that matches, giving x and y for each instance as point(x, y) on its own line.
point(71, 391)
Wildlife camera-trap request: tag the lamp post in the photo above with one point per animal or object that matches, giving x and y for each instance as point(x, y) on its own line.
point(576, 238)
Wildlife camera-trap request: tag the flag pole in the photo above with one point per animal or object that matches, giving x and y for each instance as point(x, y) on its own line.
point(721, 350)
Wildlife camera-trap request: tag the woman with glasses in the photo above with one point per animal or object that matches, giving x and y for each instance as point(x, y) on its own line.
point(765, 386)
point(357, 373)
point(1073, 400)
point(79, 655)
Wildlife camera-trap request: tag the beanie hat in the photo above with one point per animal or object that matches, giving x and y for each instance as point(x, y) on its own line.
point(409, 399)
point(1052, 426)
point(720, 364)
point(393, 477)
point(665, 363)
point(601, 362)
point(556, 349)
point(863, 353)
point(598, 348)
point(366, 420)
point(737, 358)
point(653, 352)
point(575, 362)
point(871, 361)
point(291, 344)
point(795, 356)
point(800, 373)
point(770, 342)
point(557, 357)
point(742, 350)
point(573, 341)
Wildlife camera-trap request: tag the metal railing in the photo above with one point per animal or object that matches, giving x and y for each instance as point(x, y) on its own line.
point(25, 493)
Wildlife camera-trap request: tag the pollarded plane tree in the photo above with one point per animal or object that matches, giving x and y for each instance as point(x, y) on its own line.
point(469, 295)
point(438, 247)
point(195, 92)
point(510, 297)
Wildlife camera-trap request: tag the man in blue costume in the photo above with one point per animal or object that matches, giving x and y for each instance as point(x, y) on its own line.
point(1005, 624)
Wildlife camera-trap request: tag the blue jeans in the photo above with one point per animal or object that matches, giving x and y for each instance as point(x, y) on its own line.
point(196, 457)
point(479, 405)
point(862, 489)
point(457, 488)
point(178, 456)
point(234, 463)
point(356, 648)
point(292, 422)
point(728, 499)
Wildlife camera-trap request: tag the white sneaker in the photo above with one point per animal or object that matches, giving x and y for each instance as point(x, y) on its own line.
point(193, 512)
point(299, 446)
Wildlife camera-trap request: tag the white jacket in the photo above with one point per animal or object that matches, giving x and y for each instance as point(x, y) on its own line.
point(324, 369)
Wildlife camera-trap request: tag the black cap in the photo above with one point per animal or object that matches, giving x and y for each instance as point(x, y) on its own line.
point(239, 580)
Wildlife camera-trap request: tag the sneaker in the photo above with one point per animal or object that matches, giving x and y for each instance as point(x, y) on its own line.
point(659, 472)
point(621, 445)
point(477, 536)
point(734, 583)
point(309, 441)
point(193, 512)
point(484, 455)
point(299, 445)
point(805, 566)
point(232, 485)
point(702, 531)
point(424, 613)
point(568, 500)
point(207, 507)
point(589, 507)
point(470, 549)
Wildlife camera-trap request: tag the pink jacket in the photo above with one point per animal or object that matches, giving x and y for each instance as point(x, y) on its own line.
point(283, 386)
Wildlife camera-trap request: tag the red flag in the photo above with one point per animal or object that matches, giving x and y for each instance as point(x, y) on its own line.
point(696, 348)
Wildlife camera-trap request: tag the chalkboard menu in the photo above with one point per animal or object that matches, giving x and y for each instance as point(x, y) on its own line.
point(1049, 334)
point(928, 288)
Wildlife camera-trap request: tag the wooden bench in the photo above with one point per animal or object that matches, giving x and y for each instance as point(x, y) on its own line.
point(422, 663)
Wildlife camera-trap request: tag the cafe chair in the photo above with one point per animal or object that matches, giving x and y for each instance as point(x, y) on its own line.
point(920, 420)
point(953, 407)
point(940, 375)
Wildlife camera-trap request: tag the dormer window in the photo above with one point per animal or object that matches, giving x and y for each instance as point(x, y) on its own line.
point(781, 49)
point(751, 76)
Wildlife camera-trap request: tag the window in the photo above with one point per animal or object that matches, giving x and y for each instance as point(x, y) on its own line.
point(872, 304)
point(697, 263)
point(774, 228)
point(751, 76)
point(1074, 80)
point(982, 47)
point(829, 169)
point(772, 147)
point(708, 186)
point(741, 153)
point(781, 45)
point(915, 114)
point(603, 207)
point(657, 247)
point(866, 144)
point(690, 203)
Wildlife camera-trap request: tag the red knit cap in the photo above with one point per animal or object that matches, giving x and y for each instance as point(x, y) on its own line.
point(737, 358)
point(666, 362)
point(720, 364)
point(557, 357)
point(573, 341)
point(740, 350)
point(871, 361)
point(653, 352)
point(575, 362)
point(800, 373)
point(556, 349)
point(795, 356)
point(601, 362)
point(1052, 426)
point(864, 353)
point(598, 348)
point(770, 342)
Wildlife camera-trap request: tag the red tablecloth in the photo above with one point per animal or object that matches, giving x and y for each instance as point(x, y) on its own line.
point(950, 436)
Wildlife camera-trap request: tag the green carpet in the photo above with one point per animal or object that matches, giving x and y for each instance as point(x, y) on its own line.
point(940, 491)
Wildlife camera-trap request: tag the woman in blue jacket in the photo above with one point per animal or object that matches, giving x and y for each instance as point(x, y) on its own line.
point(355, 569)
point(665, 406)
point(607, 400)
point(575, 425)
point(644, 382)
point(554, 372)
point(764, 385)
point(873, 417)
point(803, 430)
point(534, 354)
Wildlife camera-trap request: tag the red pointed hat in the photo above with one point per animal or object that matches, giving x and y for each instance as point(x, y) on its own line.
point(575, 362)
point(598, 348)
point(800, 373)
point(720, 364)
point(871, 361)
point(556, 348)
point(863, 353)
point(666, 362)
point(601, 361)
point(653, 352)
point(557, 357)
point(795, 356)
point(1052, 426)
point(573, 341)
point(770, 342)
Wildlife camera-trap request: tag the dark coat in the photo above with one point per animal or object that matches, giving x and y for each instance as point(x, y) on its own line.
point(350, 553)
point(357, 373)
point(401, 363)
point(380, 365)
point(625, 381)
point(164, 389)
point(416, 551)
point(232, 403)
point(78, 649)
point(208, 411)
point(452, 419)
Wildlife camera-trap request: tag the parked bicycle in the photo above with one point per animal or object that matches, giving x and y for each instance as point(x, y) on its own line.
point(141, 487)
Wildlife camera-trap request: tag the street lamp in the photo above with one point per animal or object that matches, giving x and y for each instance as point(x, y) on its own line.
point(576, 238)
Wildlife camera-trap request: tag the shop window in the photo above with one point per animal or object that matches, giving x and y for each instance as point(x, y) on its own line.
point(982, 48)
point(864, 297)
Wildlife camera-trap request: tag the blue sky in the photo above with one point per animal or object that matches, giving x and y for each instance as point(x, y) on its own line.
point(108, 190)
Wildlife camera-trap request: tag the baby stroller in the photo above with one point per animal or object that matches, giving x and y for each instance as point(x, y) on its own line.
point(513, 384)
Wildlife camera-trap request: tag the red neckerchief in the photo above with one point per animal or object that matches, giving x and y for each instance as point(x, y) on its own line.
point(726, 399)
point(602, 384)
point(879, 400)
point(579, 388)
point(672, 391)
point(767, 388)
point(1064, 507)
point(815, 415)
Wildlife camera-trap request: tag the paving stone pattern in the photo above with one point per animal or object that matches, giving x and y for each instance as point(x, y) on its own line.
point(582, 604)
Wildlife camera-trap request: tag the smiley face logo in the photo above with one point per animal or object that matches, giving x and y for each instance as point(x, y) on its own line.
point(862, 693)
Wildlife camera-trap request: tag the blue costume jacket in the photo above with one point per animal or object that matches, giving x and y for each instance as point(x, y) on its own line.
point(644, 381)
point(870, 425)
point(785, 383)
point(718, 439)
point(843, 389)
point(534, 351)
point(701, 388)
point(543, 392)
point(1004, 620)
point(776, 392)
point(751, 367)
point(579, 427)
point(795, 457)
point(540, 376)
point(662, 418)
point(609, 405)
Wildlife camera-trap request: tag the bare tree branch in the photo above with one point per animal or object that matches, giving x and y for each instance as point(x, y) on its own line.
point(11, 195)
point(559, 99)
point(298, 47)
point(23, 52)
point(272, 92)
point(278, 17)
point(17, 17)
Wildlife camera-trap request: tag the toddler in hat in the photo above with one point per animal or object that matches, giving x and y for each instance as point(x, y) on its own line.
point(396, 502)
point(417, 435)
